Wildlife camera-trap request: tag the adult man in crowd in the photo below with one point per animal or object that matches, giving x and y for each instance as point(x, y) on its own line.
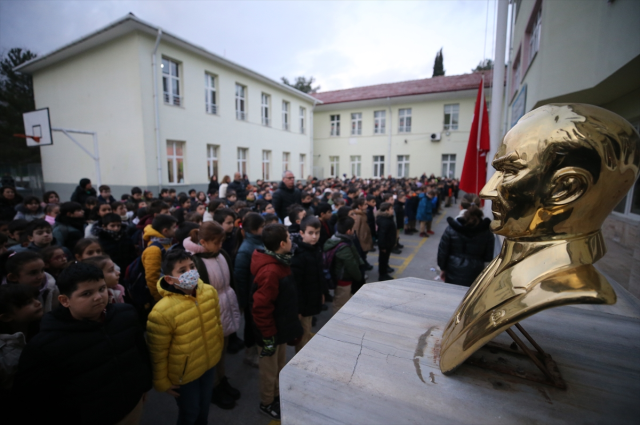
point(238, 186)
point(286, 195)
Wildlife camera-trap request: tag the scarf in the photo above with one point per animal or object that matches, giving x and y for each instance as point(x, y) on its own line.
point(283, 258)
point(112, 233)
point(161, 241)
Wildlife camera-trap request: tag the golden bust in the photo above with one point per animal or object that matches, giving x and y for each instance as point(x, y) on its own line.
point(560, 171)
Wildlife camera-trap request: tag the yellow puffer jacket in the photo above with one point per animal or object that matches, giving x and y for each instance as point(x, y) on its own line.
point(184, 335)
point(152, 260)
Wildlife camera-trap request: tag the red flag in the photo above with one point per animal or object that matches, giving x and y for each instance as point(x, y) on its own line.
point(474, 171)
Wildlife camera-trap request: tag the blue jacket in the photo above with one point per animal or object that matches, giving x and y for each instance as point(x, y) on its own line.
point(242, 268)
point(425, 208)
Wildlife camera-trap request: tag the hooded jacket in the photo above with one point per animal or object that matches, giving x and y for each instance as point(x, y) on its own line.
point(81, 194)
point(83, 372)
point(8, 207)
point(152, 259)
point(425, 208)
point(283, 198)
point(386, 230)
point(184, 334)
point(362, 229)
point(24, 214)
point(347, 261)
point(463, 250)
point(216, 271)
point(117, 245)
point(306, 266)
point(275, 306)
point(68, 231)
point(242, 268)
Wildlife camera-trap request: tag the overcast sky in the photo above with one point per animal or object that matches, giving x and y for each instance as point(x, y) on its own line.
point(341, 43)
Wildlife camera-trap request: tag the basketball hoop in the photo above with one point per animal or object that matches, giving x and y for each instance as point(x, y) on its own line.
point(24, 136)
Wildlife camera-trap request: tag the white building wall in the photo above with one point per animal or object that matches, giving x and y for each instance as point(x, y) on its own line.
point(425, 156)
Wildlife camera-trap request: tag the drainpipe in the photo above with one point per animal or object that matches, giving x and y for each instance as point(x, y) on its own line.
point(156, 108)
point(389, 143)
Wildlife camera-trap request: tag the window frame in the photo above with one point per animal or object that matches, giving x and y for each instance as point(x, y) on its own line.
point(210, 92)
point(334, 161)
point(452, 113)
point(403, 164)
point(403, 127)
point(286, 106)
point(303, 163)
point(355, 161)
point(266, 165)
point(378, 166)
point(170, 97)
point(265, 106)
point(356, 123)
point(380, 122)
point(213, 160)
point(242, 162)
point(173, 169)
point(241, 100)
point(449, 161)
point(285, 161)
point(303, 119)
point(335, 125)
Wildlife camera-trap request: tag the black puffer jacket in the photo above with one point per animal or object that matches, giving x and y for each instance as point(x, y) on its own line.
point(306, 266)
point(386, 230)
point(239, 188)
point(8, 207)
point(283, 198)
point(83, 372)
point(118, 246)
point(464, 250)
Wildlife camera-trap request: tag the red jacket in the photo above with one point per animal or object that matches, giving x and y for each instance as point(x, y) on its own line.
point(274, 309)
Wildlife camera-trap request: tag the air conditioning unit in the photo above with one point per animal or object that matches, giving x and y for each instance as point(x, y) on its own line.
point(435, 137)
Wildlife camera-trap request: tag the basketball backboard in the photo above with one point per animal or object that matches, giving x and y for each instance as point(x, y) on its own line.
point(37, 124)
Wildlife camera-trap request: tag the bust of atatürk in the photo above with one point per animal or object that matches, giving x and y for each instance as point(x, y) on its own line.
point(560, 171)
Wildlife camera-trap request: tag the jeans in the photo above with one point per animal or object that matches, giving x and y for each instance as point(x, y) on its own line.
point(195, 399)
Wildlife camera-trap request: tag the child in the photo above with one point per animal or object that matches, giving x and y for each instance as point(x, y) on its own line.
point(114, 241)
point(89, 363)
point(27, 268)
point(51, 211)
point(324, 214)
point(425, 212)
point(184, 205)
point(398, 209)
point(92, 230)
point(231, 198)
point(30, 209)
point(69, 227)
point(214, 267)
point(20, 313)
point(111, 277)
point(270, 219)
point(185, 339)
point(346, 262)
point(275, 312)
point(3, 243)
point(226, 218)
point(411, 210)
point(105, 195)
point(15, 229)
point(120, 208)
point(306, 199)
point(158, 234)
point(386, 239)
point(371, 218)
point(86, 248)
point(306, 266)
point(361, 226)
point(55, 260)
point(296, 214)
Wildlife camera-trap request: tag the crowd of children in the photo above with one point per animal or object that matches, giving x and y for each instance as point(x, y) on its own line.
point(82, 281)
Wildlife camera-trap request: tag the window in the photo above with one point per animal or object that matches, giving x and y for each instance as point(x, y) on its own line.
point(515, 76)
point(264, 108)
point(404, 116)
point(379, 122)
point(448, 165)
point(242, 160)
point(285, 115)
point(210, 94)
point(241, 106)
point(303, 113)
point(285, 161)
point(266, 165)
point(451, 116)
point(335, 166)
point(175, 162)
point(378, 166)
point(212, 160)
point(403, 165)
point(335, 125)
point(303, 162)
point(356, 124)
point(355, 165)
point(171, 82)
point(533, 34)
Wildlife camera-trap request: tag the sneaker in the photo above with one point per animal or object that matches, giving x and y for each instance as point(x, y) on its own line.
point(368, 267)
point(221, 399)
point(384, 277)
point(423, 235)
point(235, 344)
point(373, 249)
point(390, 270)
point(228, 389)
point(431, 232)
point(399, 245)
point(251, 356)
point(271, 410)
point(407, 231)
point(396, 251)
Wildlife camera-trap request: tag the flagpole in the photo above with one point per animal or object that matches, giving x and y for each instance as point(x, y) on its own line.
point(479, 129)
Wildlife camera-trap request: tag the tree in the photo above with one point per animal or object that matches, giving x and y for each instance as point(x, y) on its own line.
point(484, 65)
point(302, 84)
point(438, 64)
point(16, 97)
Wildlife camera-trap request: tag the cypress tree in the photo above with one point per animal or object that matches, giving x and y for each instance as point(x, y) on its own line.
point(438, 64)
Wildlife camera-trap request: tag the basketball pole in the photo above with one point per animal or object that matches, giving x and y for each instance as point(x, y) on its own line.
point(96, 153)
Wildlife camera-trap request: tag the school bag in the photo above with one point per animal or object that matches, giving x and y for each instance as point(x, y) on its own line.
point(327, 265)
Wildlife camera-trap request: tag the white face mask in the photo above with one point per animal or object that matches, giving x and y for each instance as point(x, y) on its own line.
point(188, 280)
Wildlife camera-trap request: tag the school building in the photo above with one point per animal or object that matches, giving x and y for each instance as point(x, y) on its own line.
point(167, 113)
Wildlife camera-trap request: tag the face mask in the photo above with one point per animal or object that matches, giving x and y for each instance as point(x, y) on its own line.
point(188, 280)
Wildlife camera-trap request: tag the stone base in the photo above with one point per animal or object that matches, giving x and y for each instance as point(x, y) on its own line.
point(376, 362)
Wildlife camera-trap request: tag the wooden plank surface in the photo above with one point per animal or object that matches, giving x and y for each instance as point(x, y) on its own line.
point(376, 362)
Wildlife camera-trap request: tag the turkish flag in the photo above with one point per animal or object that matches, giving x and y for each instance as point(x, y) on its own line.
point(474, 171)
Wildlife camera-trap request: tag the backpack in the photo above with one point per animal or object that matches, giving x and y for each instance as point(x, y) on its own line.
point(135, 280)
point(327, 265)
